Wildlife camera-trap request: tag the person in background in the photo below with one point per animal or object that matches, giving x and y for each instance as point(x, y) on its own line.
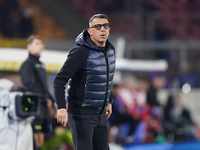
point(156, 83)
point(121, 116)
point(89, 70)
point(34, 78)
point(154, 125)
point(178, 123)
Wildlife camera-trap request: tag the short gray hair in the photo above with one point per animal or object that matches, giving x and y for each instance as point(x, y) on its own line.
point(97, 16)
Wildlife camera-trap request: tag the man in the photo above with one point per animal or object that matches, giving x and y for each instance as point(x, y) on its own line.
point(90, 67)
point(155, 112)
point(156, 84)
point(34, 78)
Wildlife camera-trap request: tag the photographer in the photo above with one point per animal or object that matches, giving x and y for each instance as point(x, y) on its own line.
point(17, 111)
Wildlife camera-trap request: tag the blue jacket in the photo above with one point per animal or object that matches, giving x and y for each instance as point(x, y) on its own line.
point(89, 71)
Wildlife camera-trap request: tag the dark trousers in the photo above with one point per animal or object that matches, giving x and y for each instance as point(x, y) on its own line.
point(89, 132)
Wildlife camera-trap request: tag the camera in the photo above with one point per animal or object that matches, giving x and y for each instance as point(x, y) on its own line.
point(17, 111)
point(20, 104)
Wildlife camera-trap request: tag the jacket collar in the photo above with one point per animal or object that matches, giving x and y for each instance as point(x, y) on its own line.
point(34, 57)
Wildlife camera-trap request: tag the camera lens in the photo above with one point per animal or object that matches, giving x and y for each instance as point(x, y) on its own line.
point(29, 103)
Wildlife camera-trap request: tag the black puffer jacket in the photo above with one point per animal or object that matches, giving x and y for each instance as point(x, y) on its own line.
point(91, 70)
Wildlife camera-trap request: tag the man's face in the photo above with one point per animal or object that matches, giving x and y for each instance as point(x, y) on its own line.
point(100, 36)
point(159, 82)
point(36, 47)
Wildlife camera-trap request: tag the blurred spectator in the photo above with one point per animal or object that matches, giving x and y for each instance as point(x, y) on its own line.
point(177, 120)
point(132, 95)
point(187, 76)
point(154, 124)
point(168, 84)
point(120, 116)
point(132, 101)
point(128, 94)
point(157, 82)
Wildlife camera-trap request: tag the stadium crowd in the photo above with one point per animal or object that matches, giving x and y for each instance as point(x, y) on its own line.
point(139, 117)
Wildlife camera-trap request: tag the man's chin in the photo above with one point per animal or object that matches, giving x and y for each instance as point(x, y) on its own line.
point(102, 41)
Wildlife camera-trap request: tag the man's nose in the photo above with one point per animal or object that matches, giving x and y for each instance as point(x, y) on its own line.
point(102, 28)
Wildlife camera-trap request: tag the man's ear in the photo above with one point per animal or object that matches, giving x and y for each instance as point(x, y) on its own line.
point(89, 31)
point(28, 47)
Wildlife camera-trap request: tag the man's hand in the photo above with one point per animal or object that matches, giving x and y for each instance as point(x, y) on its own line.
point(108, 110)
point(62, 116)
point(51, 108)
point(49, 102)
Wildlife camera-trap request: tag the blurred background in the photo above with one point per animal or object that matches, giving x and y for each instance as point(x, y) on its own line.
point(156, 85)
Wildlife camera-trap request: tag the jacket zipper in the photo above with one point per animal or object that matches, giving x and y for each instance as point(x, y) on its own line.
point(107, 67)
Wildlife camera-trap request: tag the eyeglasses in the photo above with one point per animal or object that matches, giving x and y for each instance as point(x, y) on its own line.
point(98, 26)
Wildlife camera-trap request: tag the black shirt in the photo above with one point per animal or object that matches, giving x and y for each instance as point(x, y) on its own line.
point(34, 77)
point(152, 96)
